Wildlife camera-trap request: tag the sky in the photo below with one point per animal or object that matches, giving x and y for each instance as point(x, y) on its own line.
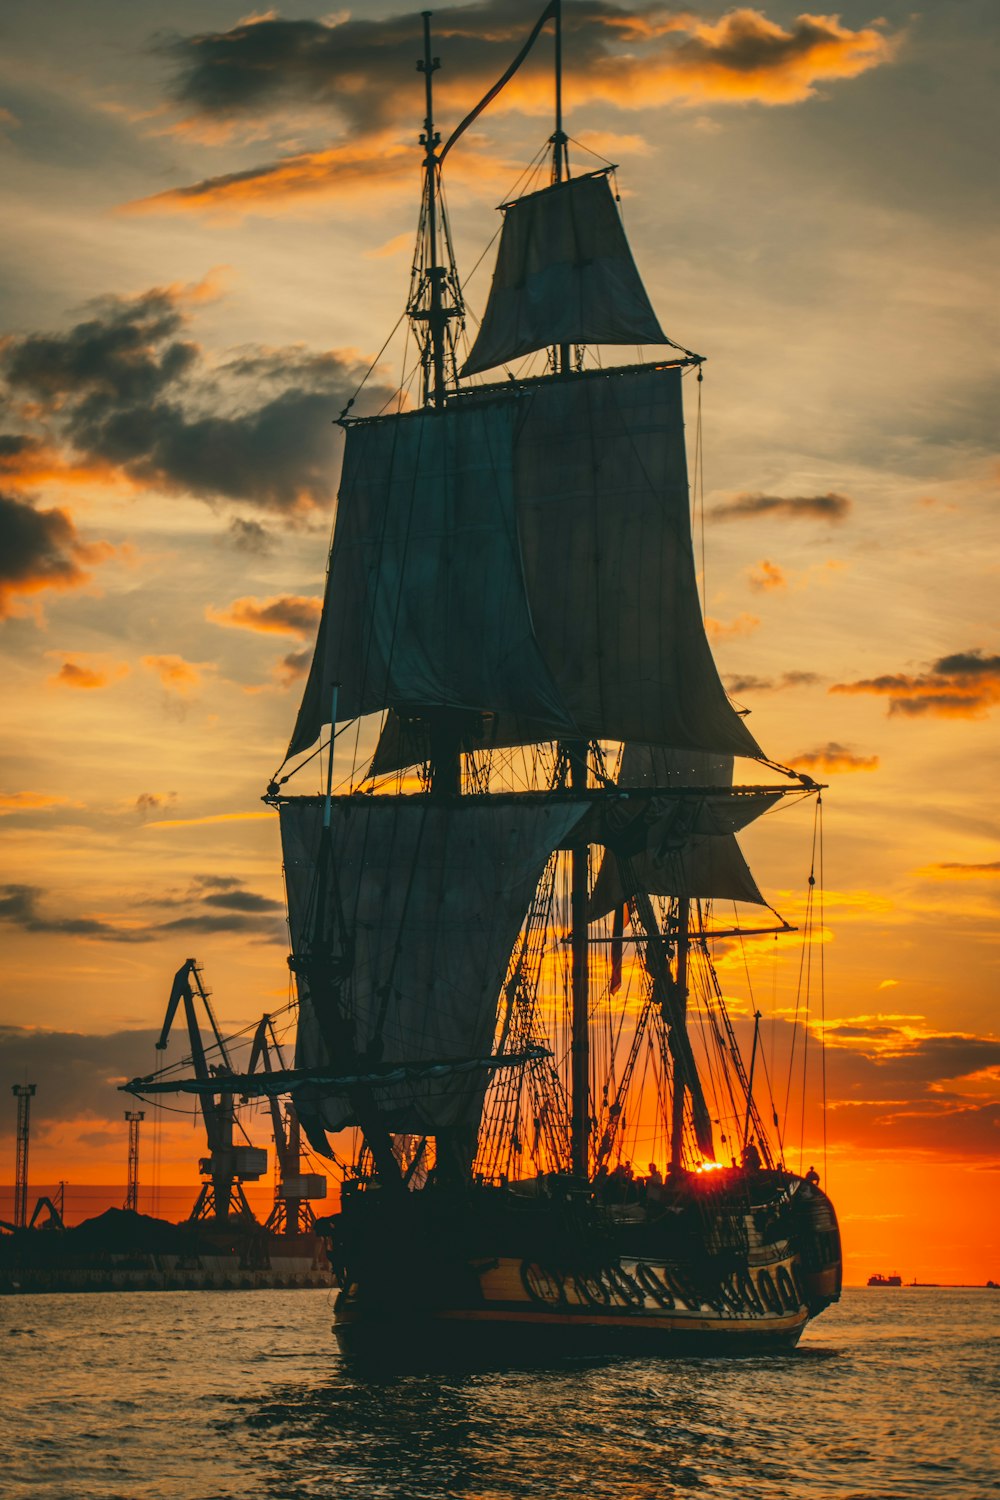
point(208, 228)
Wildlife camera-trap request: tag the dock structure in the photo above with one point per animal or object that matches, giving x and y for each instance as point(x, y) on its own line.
point(23, 1093)
point(134, 1117)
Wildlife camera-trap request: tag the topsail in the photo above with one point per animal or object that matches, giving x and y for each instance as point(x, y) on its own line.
point(564, 275)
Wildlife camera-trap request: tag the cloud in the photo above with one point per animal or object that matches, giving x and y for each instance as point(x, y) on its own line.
point(283, 614)
point(329, 173)
point(240, 817)
point(210, 904)
point(721, 630)
point(750, 684)
point(964, 685)
point(292, 667)
point(148, 803)
point(77, 1074)
point(17, 802)
point(251, 537)
point(833, 758)
point(895, 1084)
point(230, 83)
point(831, 507)
point(767, 577)
point(41, 549)
point(77, 674)
point(242, 901)
point(176, 674)
point(19, 905)
point(632, 57)
point(955, 871)
point(125, 392)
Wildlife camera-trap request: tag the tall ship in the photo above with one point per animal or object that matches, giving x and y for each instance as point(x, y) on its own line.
point(506, 880)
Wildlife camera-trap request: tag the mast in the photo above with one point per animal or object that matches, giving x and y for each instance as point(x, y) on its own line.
point(576, 751)
point(677, 1114)
point(560, 153)
point(436, 316)
point(580, 957)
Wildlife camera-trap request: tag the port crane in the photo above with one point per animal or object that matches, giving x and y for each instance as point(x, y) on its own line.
point(292, 1213)
point(228, 1165)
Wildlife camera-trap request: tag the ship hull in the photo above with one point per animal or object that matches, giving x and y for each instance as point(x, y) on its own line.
point(729, 1276)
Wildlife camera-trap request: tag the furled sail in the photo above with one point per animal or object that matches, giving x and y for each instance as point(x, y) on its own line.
point(680, 848)
point(608, 577)
point(431, 897)
point(564, 275)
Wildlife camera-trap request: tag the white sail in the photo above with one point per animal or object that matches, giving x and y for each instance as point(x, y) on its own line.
point(564, 275)
point(431, 898)
point(680, 848)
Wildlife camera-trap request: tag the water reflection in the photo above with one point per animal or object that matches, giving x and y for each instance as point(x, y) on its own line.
point(614, 1427)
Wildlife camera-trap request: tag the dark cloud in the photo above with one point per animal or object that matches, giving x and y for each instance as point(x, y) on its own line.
point(251, 537)
point(831, 507)
point(351, 66)
point(211, 922)
point(19, 905)
point(866, 1033)
point(148, 803)
point(293, 666)
point(125, 354)
point(242, 901)
point(77, 1075)
point(356, 70)
point(947, 1128)
point(41, 549)
point(126, 393)
point(751, 684)
point(964, 685)
point(212, 905)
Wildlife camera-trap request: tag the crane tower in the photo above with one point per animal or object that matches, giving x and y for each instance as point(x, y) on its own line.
point(23, 1093)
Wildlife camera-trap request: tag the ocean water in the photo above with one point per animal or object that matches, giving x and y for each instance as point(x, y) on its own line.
point(892, 1395)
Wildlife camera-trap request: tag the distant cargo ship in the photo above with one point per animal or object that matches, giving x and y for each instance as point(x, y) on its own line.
point(877, 1280)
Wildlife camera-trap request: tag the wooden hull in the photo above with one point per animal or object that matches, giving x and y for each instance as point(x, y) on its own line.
point(598, 1313)
point(601, 1288)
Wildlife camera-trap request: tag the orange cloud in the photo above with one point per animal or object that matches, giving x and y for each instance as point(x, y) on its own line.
point(353, 169)
point(14, 802)
point(965, 685)
point(176, 674)
point(242, 817)
point(720, 630)
point(283, 614)
point(834, 758)
point(956, 871)
point(766, 577)
point(78, 674)
point(745, 58)
point(26, 462)
point(631, 59)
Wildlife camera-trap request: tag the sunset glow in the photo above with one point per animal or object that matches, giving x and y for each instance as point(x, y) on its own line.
point(203, 260)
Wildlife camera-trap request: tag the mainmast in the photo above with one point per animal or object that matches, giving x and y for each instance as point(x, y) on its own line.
point(576, 752)
point(433, 282)
point(681, 999)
